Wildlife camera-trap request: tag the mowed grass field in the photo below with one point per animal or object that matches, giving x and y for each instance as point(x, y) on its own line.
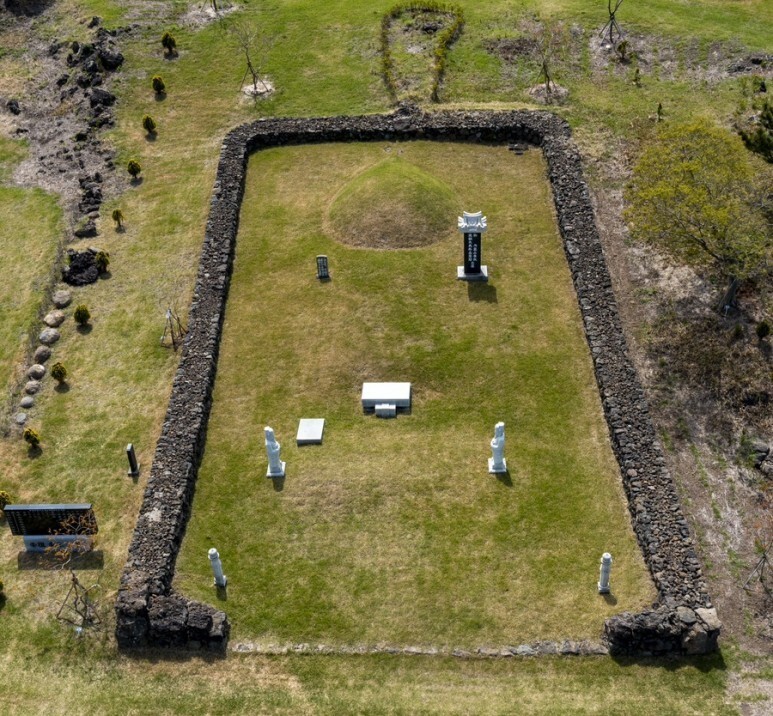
point(393, 530)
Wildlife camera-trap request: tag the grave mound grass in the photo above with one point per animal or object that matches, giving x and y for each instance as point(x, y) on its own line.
point(393, 205)
point(393, 530)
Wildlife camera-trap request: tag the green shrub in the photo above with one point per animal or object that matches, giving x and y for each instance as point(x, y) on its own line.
point(760, 139)
point(2, 588)
point(763, 330)
point(5, 499)
point(81, 315)
point(444, 40)
point(159, 86)
point(118, 218)
point(31, 436)
point(169, 43)
point(149, 124)
point(102, 261)
point(134, 168)
point(58, 373)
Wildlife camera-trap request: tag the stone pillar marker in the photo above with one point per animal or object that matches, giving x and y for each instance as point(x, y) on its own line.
point(606, 568)
point(323, 272)
point(134, 466)
point(276, 468)
point(217, 568)
point(472, 227)
point(497, 463)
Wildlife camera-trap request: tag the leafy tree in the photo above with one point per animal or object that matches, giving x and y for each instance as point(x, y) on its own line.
point(118, 218)
point(760, 138)
point(694, 193)
point(159, 86)
point(134, 168)
point(102, 261)
point(5, 499)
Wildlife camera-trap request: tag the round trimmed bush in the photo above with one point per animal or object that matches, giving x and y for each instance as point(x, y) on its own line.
point(169, 43)
point(82, 315)
point(134, 168)
point(58, 373)
point(149, 124)
point(102, 261)
point(5, 499)
point(117, 217)
point(159, 86)
point(31, 437)
point(763, 330)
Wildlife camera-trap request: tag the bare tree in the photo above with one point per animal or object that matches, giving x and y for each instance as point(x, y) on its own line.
point(254, 47)
point(550, 39)
point(611, 27)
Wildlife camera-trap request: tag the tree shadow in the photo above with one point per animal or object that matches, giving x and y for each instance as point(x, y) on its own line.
point(85, 329)
point(481, 291)
point(151, 136)
point(105, 275)
point(120, 229)
point(92, 560)
point(160, 96)
point(62, 388)
point(34, 452)
point(136, 181)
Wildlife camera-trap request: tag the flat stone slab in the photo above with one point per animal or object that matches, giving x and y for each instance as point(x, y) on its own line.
point(397, 394)
point(310, 431)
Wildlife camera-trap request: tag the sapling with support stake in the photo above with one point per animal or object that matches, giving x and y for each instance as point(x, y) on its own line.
point(611, 27)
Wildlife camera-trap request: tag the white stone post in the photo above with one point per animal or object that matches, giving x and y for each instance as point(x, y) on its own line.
point(497, 462)
point(606, 568)
point(276, 468)
point(217, 568)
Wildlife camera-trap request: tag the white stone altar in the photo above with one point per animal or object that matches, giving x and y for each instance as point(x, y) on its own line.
point(386, 398)
point(310, 431)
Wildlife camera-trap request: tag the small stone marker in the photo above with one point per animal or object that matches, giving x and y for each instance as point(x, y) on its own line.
point(472, 227)
point(276, 468)
point(217, 568)
point(323, 273)
point(134, 466)
point(310, 431)
point(606, 568)
point(386, 410)
point(497, 463)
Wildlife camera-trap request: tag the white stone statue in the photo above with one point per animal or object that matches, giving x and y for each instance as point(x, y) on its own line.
point(217, 568)
point(497, 462)
point(276, 468)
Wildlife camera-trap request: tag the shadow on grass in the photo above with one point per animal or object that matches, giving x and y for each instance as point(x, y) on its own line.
point(610, 599)
point(278, 483)
point(481, 291)
point(160, 96)
point(504, 478)
point(2, 601)
point(27, 561)
point(172, 655)
point(85, 330)
point(221, 593)
point(63, 387)
point(151, 136)
point(137, 181)
point(34, 451)
point(705, 664)
point(105, 275)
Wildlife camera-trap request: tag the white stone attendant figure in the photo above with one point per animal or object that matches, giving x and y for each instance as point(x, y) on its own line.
point(497, 462)
point(276, 468)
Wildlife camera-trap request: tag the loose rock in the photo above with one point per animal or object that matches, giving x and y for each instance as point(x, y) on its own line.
point(42, 354)
point(54, 319)
point(37, 371)
point(32, 387)
point(20, 418)
point(27, 402)
point(62, 298)
point(49, 336)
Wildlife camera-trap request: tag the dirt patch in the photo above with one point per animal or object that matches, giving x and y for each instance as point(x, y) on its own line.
point(203, 15)
point(696, 377)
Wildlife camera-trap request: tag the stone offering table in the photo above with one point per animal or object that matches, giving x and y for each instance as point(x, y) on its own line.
point(386, 398)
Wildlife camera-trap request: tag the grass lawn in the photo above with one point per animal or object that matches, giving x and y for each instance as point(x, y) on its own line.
point(29, 237)
point(323, 60)
point(394, 530)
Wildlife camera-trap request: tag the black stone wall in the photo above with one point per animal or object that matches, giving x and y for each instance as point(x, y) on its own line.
point(150, 613)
